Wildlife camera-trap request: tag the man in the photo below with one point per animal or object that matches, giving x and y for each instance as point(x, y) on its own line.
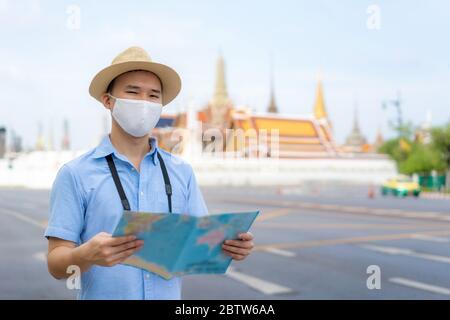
point(127, 171)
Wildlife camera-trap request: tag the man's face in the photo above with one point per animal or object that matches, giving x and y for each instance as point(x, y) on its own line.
point(137, 85)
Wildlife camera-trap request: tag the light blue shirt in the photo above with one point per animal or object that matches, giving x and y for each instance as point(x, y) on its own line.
point(84, 201)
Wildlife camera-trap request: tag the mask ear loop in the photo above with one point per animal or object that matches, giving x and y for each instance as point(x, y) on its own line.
point(111, 96)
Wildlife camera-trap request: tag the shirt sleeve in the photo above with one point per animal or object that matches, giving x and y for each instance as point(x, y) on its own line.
point(196, 203)
point(66, 213)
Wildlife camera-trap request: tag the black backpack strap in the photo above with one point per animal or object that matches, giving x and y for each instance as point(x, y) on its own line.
point(166, 181)
point(115, 175)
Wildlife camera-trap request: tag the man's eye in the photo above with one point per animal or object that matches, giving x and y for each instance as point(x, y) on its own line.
point(131, 92)
point(153, 96)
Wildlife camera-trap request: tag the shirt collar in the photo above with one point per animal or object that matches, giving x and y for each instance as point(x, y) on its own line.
point(106, 147)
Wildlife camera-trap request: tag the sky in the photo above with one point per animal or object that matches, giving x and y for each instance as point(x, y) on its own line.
point(365, 52)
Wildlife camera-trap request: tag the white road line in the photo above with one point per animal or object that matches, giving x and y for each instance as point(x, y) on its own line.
point(281, 252)
point(263, 286)
point(41, 256)
point(381, 212)
point(421, 215)
point(426, 237)
point(407, 252)
point(354, 209)
point(420, 285)
point(329, 206)
point(22, 217)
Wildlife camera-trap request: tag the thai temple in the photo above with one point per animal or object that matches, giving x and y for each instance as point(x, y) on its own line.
point(237, 130)
point(229, 144)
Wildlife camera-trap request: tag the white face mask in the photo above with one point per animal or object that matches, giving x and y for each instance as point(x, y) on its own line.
point(136, 117)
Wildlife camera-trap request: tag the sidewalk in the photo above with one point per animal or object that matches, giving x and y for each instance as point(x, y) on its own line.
point(435, 195)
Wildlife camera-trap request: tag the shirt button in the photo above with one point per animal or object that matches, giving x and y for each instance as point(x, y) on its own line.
point(142, 193)
point(147, 276)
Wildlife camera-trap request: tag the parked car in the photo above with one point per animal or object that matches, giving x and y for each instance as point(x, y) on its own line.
point(401, 186)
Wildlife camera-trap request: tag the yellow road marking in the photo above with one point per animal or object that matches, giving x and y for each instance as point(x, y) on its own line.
point(44, 223)
point(274, 214)
point(397, 213)
point(327, 242)
point(358, 226)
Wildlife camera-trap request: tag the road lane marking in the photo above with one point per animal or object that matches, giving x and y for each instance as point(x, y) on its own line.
point(377, 211)
point(353, 209)
point(327, 206)
point(22, 217)
point(425, 237)
point(407, 252)
point(263, 286)
point(420, 215)
point(40, 256)
point(328, 242)
point(273, 214)
point(309, 226)
point(420, 285)
point(398, 213)
point(281, 252)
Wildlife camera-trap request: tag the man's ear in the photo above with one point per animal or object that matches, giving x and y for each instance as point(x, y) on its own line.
point(107, 101)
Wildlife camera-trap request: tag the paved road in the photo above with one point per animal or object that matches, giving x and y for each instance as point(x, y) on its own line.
point(314, 241)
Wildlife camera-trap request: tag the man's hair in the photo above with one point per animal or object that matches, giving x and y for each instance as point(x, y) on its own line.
point(110, 87)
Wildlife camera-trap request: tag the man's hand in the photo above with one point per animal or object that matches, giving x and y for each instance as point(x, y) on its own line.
point(239, 249)
point(105, 250)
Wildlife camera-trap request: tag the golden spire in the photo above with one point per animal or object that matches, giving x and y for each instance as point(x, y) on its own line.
point(220, 91)
point(272, 105)
point(319, 105)
point(220, 102)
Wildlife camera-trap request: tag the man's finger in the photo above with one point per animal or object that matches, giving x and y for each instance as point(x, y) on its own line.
point(246, 236)
point(126, 246)
point(234, 255)
point(244, 252)
point(116, 241)
point(240, 243)
point(125, 254)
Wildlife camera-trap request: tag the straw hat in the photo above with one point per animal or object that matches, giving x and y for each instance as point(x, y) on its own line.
point(136, 58)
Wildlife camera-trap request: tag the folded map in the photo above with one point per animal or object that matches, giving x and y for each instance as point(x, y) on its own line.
point(179, 244)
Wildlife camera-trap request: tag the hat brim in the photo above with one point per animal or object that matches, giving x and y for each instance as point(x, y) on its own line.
point(170, 80)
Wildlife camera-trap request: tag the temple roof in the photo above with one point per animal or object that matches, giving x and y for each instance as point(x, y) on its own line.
point(297, 135)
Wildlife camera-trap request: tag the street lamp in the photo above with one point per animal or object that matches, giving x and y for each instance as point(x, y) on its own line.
point(397, 104)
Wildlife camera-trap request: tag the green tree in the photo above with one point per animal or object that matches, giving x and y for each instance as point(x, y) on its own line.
point(422, 159)
point(392, 148)
point(441, 143)
point(415, 157)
